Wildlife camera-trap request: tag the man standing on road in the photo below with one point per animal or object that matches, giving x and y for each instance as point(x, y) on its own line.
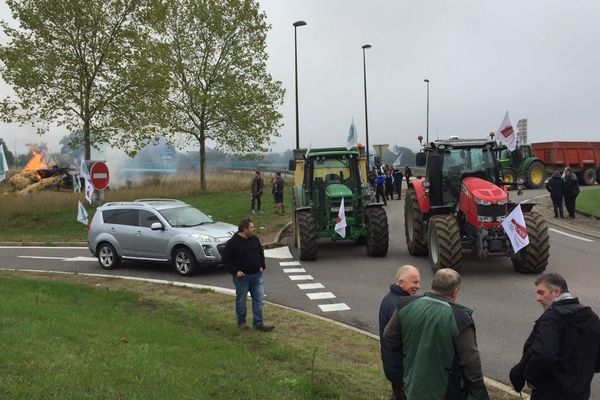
point(256, 190)
point(437, 339)
point(571, 190)
point(407, 174)
point(563, 350)
point(397, 174)
point(407, 282)
point(245, 259)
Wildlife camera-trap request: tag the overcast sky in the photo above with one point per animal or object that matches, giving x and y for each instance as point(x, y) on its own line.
point(538, 59)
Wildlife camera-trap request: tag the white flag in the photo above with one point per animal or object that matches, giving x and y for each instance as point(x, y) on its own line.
point(76, 183)
point(307, 150)
point(84, 171)
point(340, 221)
point(515, 228)
point(89, 191)
point(506, 134)
point(352, 139)
point(398, 160)
point(3, 164)
point(82, 215)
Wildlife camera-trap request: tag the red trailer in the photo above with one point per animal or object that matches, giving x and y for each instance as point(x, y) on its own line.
point(582, 157)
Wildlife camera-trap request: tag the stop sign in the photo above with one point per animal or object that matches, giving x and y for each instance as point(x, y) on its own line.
point(99, 175)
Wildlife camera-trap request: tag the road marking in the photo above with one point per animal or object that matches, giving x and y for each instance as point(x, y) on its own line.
point(334, 307)
point(278, 252)
point(301, 277)
point(289, 263)
point(569, 235)
point(80, 258)
point(540, 196)
point(41, 247)
point(320, 295)
point(293, 270)
point(525, 201)
point(308, 286)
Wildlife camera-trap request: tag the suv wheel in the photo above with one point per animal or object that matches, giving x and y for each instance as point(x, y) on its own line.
point(107, 256)
point(184, 261)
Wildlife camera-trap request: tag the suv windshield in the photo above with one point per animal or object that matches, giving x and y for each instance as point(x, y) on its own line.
point(185, 216)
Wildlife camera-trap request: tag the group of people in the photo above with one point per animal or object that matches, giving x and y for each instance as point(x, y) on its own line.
point(563, 187)
point(257, 187)
point(386, 181)
point(429, 346)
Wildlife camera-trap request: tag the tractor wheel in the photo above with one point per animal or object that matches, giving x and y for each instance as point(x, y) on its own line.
point(445, 249)
point(306, 235)
point(377, 232)
point(535, 176)
point(509, 175)
point(413, 225)
point(588, 177)
point(533, 258)
point(598, 176)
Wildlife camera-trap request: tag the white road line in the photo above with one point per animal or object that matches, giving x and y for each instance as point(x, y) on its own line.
point(525, 201)
point(334, 307)
point(289, 263)
point(569, 235)
point(42, 258)
point(80, 258)
point(301, 277)
point(41, 247)
point(320, 295)
point(308, 286)
point(543, 195)
point(278, 252)
point(293, 270)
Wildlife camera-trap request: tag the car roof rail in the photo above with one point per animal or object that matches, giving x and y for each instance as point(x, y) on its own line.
point(153, 200)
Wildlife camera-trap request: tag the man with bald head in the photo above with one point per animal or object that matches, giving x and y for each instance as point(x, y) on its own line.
point(406, 283)
point(436, 337)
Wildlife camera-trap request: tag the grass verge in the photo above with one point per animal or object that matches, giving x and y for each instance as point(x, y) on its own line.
point(588, 201)
point(79, 337)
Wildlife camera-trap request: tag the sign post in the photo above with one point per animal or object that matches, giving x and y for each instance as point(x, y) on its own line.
point(100, 177)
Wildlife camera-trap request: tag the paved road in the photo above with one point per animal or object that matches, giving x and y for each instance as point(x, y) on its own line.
point(503, 300)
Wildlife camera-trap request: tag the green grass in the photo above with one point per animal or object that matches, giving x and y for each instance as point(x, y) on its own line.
point(589, 201)
point(52, 216)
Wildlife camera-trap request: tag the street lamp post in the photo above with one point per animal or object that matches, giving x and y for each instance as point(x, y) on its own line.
point(296, 25)
point(364, 47)
point(427, 82)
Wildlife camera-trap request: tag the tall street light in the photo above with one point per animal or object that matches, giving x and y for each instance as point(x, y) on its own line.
point(296, 25)
point(427, 82)
point(364, 47)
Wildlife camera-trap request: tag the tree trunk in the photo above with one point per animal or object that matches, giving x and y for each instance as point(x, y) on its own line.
point(202, 141)
point(86, 139)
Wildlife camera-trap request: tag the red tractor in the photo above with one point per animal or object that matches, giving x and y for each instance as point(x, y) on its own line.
point(460, 205)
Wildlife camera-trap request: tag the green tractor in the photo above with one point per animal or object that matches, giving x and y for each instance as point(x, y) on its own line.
point(522, 164)
point(322, 179)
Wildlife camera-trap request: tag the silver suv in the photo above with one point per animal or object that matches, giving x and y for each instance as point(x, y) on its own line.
point(157, 230)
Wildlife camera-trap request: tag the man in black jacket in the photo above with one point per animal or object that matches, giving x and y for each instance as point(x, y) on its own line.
point(245, 259)
point(408, 281)
point(563, 350)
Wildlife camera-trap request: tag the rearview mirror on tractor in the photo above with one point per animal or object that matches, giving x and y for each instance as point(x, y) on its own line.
point(292, 165)
point(421, 159)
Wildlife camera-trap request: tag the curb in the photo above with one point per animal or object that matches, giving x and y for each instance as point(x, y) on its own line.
point(548, 215)
point(230, 292)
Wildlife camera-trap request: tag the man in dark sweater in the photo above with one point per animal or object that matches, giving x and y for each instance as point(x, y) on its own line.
point(245, 259)
point(407, 282)
point(563, 350)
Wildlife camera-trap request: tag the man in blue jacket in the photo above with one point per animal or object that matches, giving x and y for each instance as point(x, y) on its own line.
point(563, 350)
point(407, 282)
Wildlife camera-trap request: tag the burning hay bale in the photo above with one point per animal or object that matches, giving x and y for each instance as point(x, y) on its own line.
point(53, 183)
point(23, 179)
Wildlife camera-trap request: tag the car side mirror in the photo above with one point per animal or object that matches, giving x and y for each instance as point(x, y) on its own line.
point(292, 165)
point(157, 226)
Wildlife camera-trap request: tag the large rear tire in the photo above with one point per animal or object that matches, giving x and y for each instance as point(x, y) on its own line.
point(535, 176)
point(598, 176)
point(377, 232)
point(413, 225)
point(306, 235)
point(588, 177)
point(445, 249)
point(533, 258)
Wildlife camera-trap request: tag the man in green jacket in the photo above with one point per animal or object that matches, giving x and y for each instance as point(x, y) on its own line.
point(438, 343)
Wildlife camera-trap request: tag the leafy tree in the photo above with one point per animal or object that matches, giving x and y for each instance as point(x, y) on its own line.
point(87, 65)
point(220, 88)
point(68, 145)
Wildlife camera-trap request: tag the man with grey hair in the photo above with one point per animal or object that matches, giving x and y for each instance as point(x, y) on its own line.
point(407, 282)
point(563, 350)
point(437, 339)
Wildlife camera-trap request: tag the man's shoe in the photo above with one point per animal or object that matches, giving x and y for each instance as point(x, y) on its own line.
point(264, 328)
point(243, 327)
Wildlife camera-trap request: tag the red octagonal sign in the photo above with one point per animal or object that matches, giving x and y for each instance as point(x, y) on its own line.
point(99, 175)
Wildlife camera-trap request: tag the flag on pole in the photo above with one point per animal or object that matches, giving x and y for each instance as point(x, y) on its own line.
point(76, 183)
point(89, 190)
point(82, 215)
point(308, 150)
point(84, 171)
point(515, 228)
point(3, 164)
point(352, 139)
point(340, 221)
point(398, 160)
point(506, 134)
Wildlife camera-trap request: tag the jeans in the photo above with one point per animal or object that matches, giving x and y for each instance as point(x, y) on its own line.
point(557, 202)
point(255, 203)
point(252, 283)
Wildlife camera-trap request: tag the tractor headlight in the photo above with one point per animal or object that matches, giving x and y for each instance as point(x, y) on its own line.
point(425, 184)
point(203, 238)
point(346, 208)
point(502, 202)
point(484, 219)
point(483, 202)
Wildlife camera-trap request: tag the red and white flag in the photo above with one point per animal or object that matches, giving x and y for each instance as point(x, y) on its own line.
point(89, 191)
point(515, 228)
point(506, 133)
point(340, 221)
